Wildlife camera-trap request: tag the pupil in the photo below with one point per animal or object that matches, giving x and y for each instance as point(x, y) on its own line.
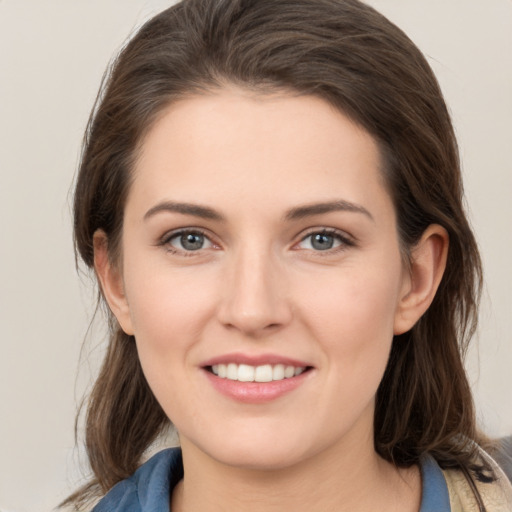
point(192, 242)
point(322, 242)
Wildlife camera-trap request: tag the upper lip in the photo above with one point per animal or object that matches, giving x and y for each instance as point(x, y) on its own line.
point(254, 360)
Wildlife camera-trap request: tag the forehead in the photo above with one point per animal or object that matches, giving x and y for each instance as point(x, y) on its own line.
point(233, 143)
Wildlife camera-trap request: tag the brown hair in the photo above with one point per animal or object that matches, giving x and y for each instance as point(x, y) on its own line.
point(351, 56)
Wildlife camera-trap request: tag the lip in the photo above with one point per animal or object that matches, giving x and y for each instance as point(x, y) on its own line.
point(255, 392)
point(255, 360)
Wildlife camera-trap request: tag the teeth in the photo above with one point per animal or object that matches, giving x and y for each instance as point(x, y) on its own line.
point(278, 372)
point(289, 371)
point(245, 373)
point(222, 371)
point(232, 373)
point(263, 373)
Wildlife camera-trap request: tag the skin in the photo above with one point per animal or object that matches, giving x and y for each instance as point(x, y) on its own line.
point(258, 285)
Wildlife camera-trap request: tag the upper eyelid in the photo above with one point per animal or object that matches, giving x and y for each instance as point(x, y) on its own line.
point(345, 242)
point(168, 235)
point(328, 231)
point(166, 242)
point(342, 234)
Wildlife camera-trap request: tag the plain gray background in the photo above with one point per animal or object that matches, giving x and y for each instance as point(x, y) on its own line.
point(52, 57)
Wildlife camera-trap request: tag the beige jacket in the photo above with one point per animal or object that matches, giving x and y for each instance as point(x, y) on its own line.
point(497, 496)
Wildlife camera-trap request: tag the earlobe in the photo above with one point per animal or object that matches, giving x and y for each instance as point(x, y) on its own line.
point(428, 262)
point(111, 282)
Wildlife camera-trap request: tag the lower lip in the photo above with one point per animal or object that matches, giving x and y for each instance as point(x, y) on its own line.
point(255, 392)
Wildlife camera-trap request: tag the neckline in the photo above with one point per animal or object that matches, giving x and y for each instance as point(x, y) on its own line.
point(150, 487)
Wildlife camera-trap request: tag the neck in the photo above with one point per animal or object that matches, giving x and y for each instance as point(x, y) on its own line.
point(337, 479)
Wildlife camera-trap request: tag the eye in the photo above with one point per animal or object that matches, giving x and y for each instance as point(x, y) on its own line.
point(188, 241)
point(324, 241)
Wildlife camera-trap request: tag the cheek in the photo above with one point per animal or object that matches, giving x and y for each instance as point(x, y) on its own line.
point(168, 311)
point(162, 300)
point(354, 302)
point(352, 318)
point(168, 316)
point(354, 328)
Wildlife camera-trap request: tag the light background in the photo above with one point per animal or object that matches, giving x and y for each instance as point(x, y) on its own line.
point(52, 57)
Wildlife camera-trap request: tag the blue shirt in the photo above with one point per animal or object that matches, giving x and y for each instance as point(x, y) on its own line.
point(150, 487)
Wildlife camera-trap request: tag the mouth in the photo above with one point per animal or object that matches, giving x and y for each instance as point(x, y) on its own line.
point(256, 379)
point(261, 373)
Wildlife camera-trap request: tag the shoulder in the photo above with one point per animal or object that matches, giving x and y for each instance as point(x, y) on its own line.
point(148, 488)
point(496, 495)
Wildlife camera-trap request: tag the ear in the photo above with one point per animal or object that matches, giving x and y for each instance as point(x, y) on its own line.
point(111, 282)
point(427, 265)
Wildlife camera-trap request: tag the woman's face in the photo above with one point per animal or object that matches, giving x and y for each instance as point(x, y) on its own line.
point(261, 276)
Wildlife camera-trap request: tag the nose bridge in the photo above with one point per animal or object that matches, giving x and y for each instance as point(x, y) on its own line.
point(254, 295)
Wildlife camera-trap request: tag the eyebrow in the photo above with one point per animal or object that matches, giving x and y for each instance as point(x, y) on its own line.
point(297, 213)
point(184, 208)
point(320, 208)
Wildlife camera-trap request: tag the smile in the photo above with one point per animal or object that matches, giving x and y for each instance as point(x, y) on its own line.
point(262, 373)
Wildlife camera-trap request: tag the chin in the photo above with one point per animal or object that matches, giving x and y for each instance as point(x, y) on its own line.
point(258, 458)
point(256, 450)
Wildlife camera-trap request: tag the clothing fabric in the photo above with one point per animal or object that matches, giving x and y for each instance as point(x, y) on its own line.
point(150, 487)
point(496, 496)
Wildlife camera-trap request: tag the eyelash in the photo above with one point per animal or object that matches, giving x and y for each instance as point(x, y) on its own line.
point(344, 240)
point(341, 237)
point(165, 241)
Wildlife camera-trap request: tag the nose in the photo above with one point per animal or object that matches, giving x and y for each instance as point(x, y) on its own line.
point(254, 295)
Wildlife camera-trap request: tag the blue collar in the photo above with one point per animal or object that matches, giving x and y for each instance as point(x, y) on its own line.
point(434, 496)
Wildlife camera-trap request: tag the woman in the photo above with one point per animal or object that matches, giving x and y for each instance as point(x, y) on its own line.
point(271, 199)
